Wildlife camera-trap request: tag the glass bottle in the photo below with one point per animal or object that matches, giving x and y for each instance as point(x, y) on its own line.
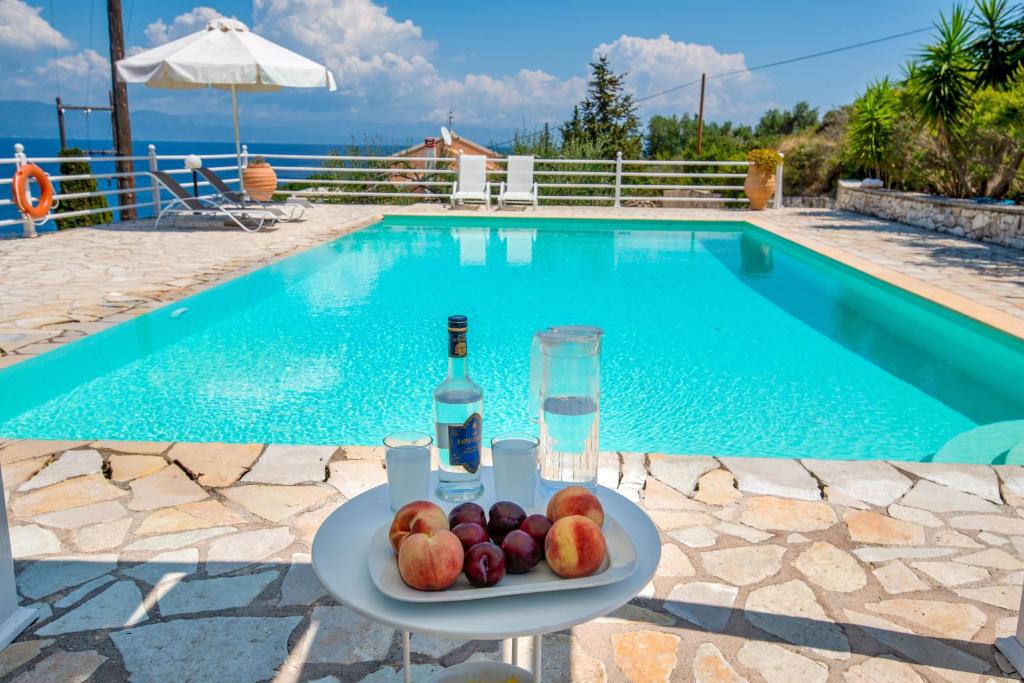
point(458, 416)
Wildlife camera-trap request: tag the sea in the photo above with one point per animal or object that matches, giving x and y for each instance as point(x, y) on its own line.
point(41, 148)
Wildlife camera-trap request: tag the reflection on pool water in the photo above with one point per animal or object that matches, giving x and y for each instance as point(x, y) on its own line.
point(719, 339)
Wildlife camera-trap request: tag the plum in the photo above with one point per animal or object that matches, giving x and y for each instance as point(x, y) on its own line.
point(470, 534)
point(485, 564)
point(537, 526)
point(505, 516)
point(521, 552)
point(467, 513)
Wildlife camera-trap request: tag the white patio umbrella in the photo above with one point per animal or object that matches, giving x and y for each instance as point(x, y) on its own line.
point(226, 55)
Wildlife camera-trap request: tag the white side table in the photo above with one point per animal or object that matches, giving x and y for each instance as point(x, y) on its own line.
point(13, 619)
point(339, 560)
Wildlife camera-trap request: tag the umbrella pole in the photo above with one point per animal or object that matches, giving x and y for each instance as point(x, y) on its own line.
point(238, 146)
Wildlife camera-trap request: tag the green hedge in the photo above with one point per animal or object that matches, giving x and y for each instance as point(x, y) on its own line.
point(74, 186)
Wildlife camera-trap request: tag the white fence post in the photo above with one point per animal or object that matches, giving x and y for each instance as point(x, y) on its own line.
point(618, 179)
point(154, 185)
point(20, 159)
point(777, 204)
point(243, 162)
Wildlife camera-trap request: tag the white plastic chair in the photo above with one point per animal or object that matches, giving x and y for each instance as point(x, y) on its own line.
point(472, 184)
point(519, 187)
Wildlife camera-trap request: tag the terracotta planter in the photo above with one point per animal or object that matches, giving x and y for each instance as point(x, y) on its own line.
point(760, 187)
point(260, 181)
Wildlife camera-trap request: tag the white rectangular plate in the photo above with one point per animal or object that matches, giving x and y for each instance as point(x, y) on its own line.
point(619, 563)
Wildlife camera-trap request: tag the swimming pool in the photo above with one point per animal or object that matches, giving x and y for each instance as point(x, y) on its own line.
point(720, 339)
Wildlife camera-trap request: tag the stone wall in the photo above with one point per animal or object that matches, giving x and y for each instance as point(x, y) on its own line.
point(1003, 225)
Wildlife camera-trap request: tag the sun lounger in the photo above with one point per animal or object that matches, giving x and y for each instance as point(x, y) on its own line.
point(472, 185)
point(184, 204)
point(285, 211)
point(519, 186)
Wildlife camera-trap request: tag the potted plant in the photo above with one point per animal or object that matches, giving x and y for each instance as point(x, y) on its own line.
point(760, 182)
point(260, 179)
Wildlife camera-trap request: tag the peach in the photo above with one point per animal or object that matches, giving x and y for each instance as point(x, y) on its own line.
point(576, 500)
point(574, 547)
point(419, 516)
point(431, 561)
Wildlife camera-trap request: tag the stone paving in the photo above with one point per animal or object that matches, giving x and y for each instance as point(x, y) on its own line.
point(159, 561)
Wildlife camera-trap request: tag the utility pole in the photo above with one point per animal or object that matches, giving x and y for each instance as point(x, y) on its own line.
point(700, 115)
point(119, 101)
point(60, 125)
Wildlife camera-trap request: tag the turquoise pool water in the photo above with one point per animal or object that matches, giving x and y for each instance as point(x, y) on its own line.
point(720, 339)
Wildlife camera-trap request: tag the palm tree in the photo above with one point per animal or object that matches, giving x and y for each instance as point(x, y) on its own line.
point(872, 124)
point(998, 45)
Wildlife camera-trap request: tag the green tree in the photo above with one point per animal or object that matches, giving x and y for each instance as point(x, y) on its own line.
point(607, 115)
point(79, 168)
point(871, 127)
point(998, 41)
point(783, 122)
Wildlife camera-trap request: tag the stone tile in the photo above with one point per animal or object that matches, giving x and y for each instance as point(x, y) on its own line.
point(836, 498)
point(741, 531)
point(674, 562)
point(709, 666)
point(646, 655)
point(781, 514)
point(670, 520)
point(433, 646)
point(1011, 475)
point(301, 587)
point(77, 595)
point(206, 649)
point(69, 464)
point(977, 480)
point(344, 637)
point(951, 574)
point(927, 495)
point(870, 481)
point(950, 538)
point(72, 493)
point(364, 453)
point(66, 667)
point(744, 566)
point(211, 595)
point(694, 536)
point(172, 565)
point(947, 619)
point(29, 540)
point(291, 465)
point(881, 670)
point(201, 515)
point(17, 473)
point(897, 578)
point(634, 475)
point(994, 558)
point(167, 487)
point(59, 573)
point(681, 472)
point(21, 652)
point(946, 662)
point(391, 674)
point(1011, 526)
point(609, 470)
point(352, 477)
point(876, 555)
point(242, 549)
point(992, 539)
point(871, 527)
point(96, 537)
point(797, 539)
point(790, 611)
point(308, 523)
point(178, 540)
point(708, 605)
point(83, 516)
point(659, 496)
point(117, 606)
point(30, 448)
point(215, 464)
point(717, 487)
point(779, 665)
point(773, 477)
point(566, 660)
point(914, 516)
point(633, 615)
point(128, 467)
point(831, 568)
point(1006, 597)
point(274, 503)
point(134, 447)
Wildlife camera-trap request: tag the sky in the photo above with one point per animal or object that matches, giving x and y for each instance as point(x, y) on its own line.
point(498, 66)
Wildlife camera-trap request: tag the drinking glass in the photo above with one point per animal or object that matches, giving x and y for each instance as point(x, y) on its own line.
point(408, 465)
point(515, 467)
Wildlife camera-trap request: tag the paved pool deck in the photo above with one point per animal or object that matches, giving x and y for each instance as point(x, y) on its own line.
point(175, 561)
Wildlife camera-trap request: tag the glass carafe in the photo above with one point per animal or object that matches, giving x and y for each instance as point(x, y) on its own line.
point(565, 398)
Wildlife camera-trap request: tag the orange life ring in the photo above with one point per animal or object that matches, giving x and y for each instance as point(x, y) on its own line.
point(19, 190)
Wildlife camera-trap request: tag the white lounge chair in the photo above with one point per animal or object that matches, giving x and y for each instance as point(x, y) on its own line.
point(472, 184)
point(519, 187)
point(184, 204)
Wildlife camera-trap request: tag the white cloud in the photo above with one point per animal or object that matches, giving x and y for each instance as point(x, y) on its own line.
point(22, 27)
point(158, 32)
point(77, 76)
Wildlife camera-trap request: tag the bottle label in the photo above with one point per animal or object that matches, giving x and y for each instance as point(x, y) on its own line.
point(464, 443)
point(456, 343)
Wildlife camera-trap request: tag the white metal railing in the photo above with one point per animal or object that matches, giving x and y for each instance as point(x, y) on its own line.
point(615, 181)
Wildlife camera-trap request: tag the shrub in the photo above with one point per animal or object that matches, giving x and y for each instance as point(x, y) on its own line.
point(765, 160)
point(76, 186)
